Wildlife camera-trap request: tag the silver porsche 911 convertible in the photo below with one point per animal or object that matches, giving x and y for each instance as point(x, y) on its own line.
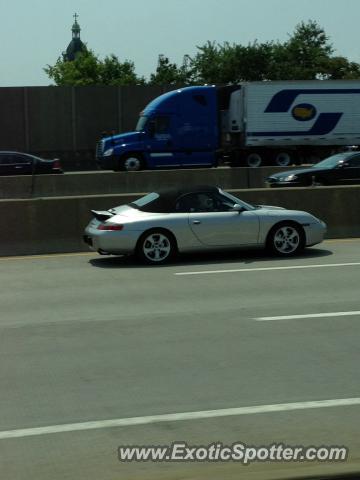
point(160, 224)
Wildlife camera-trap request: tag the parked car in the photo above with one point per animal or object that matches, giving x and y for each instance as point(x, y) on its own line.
point(340, 169)
point(16, 163)
point(160, 224)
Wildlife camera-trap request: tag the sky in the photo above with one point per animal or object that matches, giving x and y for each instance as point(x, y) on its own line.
point(34, 33)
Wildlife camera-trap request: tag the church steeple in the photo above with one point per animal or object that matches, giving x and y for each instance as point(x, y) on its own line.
point(76, 27)
point(76, 45)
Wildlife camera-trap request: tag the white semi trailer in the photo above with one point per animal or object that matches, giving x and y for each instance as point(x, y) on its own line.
point(291, 122)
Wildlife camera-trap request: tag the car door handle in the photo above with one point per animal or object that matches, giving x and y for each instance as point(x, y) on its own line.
point(196, 222)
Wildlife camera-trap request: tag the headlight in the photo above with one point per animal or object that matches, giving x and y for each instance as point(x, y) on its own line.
point(323, 224)
point(108, 152)
point(289, 178)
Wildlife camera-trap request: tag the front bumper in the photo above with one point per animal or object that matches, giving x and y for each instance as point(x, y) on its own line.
point(315, 233)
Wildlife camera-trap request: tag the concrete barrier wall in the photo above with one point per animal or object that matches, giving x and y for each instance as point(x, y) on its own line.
point(127, 182)
point(48, 118)
point(49, 225)
point(53, 225)
point(13, 135)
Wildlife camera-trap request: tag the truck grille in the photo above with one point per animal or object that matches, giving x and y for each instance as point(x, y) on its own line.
point(99, 149)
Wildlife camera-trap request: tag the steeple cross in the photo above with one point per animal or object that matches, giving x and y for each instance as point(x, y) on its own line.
point(75, 16)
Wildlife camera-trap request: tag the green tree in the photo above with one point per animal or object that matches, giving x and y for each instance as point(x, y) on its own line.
point(207, 64)
point(245, 63)
point(231, 63)
point(84, 70)
point(304, 56)
point(113, 72)
point(168, 73)
point(88, 69)
point(341, 68)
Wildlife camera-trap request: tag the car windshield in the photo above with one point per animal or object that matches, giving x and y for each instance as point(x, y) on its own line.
point(140, 126)
point(331, 162)
point(248, 206)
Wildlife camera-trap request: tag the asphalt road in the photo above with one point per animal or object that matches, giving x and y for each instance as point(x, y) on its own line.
point(85, 338)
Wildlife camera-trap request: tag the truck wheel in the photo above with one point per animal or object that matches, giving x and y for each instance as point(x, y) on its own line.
point(131, 163)
point(253, 160)
point(283, 159)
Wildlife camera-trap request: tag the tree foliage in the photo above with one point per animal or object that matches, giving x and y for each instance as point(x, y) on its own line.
point(231, 63)
point(306, 55)
point(168, 73)
point(88, 69)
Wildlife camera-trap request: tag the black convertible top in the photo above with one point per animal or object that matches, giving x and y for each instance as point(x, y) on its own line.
point(166, 201)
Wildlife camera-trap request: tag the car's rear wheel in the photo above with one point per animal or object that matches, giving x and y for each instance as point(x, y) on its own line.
point(156, 247)
point(286, 239)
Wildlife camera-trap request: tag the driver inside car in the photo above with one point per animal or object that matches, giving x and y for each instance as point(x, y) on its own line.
point(205, 203)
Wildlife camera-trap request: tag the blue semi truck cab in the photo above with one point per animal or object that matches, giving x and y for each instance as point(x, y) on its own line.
point(177, 129)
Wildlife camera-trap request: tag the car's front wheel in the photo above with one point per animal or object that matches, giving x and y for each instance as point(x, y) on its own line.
point(156, 247)
point(286, 239)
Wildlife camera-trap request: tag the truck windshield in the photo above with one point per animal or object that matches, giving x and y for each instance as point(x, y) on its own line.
point(140, 127)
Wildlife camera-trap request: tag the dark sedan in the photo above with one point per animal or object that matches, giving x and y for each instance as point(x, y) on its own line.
point(16, 163)
point(340, 169)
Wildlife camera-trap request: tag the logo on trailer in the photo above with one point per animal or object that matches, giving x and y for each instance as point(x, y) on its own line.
point(325, 122)
point(303, 112)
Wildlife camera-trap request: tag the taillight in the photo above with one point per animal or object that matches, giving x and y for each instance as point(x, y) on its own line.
point(56, 165)
point(110, 226)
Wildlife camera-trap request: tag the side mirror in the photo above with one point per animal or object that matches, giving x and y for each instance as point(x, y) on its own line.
point(238, 208)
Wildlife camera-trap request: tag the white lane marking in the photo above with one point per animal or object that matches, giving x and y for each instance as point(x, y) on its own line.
point(263, 269)
point(176, 417)
point(308, 315)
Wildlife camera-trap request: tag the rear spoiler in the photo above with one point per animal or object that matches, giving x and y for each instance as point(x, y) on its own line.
point(101, 215)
